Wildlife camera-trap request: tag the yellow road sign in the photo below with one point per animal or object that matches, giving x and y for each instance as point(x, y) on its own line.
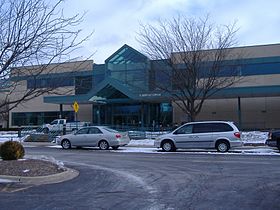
point(76, 106)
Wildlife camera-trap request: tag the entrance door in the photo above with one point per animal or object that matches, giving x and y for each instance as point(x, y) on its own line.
point(129, 120)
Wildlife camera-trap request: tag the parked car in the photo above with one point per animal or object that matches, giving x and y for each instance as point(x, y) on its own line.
point(273, 139)
point(59, 124)
point(94, 136)
point(220, 135)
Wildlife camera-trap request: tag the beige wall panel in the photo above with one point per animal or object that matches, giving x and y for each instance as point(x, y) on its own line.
point(54, 68)
point(259, 51)
point(257, 113)
point(263, 80)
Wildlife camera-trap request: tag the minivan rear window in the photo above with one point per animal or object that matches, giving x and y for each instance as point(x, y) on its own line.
point(221, 127)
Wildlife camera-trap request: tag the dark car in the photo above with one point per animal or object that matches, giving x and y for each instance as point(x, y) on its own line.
point(273, 139)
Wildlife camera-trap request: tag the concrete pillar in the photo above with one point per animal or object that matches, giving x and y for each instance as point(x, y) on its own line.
point(61, 111)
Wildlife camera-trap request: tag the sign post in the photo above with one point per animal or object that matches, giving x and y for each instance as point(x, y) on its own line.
point(76, 109)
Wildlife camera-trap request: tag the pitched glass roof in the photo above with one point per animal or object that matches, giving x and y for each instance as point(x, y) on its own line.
point(126, 55)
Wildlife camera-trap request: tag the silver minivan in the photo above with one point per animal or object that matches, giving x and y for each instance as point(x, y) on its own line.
point(220, 135)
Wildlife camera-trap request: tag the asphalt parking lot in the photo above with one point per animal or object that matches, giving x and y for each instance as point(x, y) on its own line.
point(138, 180)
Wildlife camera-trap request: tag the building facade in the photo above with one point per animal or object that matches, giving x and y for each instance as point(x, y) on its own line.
point(121, 92)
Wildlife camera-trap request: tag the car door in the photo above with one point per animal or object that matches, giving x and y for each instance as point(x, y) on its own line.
point(93, 136)
point(79, 138)
point(202, 136)
point(183, 136)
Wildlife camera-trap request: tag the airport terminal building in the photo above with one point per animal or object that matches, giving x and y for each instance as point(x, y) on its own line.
point(121, 92)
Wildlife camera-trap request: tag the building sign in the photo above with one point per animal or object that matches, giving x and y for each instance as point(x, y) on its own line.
point(165, 107)
point(149, 94)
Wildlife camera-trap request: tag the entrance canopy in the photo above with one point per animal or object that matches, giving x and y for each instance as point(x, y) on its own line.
point(110, 91)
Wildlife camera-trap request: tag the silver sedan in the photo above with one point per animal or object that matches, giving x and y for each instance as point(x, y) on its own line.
point(94, 136)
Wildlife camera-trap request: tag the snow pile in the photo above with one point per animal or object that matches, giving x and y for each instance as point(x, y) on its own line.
point(142, 142)
point(252, 137)
point(8, 137)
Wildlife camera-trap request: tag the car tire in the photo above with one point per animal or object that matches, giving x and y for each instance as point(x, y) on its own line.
point(168, 146)
point(103, 145)
point(222, 146)
point(115, 147)
point(66, 144)
point(45, 130)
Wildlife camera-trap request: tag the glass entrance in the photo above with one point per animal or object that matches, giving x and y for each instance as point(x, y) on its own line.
point(127, 120)
point(126, 115)
point(134, 115)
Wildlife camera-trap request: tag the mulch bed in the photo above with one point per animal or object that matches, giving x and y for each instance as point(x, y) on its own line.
point(28, 168)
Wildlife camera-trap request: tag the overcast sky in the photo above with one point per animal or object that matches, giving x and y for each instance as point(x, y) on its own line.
point(116, 22)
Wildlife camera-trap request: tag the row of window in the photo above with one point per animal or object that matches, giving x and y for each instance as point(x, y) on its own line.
point(159, 74)
point(38, 118)
point(51, 82)
point(83, 84)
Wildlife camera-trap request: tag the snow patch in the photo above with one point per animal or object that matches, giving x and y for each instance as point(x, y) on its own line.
point(254, 137)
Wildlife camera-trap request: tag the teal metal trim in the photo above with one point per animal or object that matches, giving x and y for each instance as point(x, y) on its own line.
point(243, 92)
point(261, 60)
point(125, 89)
point(109, 82)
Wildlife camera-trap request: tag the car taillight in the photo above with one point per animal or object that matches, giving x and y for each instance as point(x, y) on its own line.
point(237, 134)
point(270, 135)
point(118, 136)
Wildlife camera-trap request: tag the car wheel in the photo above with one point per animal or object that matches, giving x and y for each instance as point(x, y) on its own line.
point(115, 147)
point(222, 146)
point(45, 130)
point(66, 144)
point(103, 145)
point(168, 146)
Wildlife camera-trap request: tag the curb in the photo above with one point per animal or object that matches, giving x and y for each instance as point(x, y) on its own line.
point(41, 180)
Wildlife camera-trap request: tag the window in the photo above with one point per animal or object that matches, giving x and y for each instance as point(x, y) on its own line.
point(202, 128)
point(94, 131)
point(50, 82)
point(55, 122)
point(82, 131)
point(83, 84)
point(38, 118)
point(187, 129)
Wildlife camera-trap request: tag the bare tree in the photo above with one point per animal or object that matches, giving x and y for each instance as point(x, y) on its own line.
point(36, 34)
point(196, 56)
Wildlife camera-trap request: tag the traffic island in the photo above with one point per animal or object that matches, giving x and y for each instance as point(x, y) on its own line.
point(25, 173)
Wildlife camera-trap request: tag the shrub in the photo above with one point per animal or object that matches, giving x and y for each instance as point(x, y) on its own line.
point(11, 150)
